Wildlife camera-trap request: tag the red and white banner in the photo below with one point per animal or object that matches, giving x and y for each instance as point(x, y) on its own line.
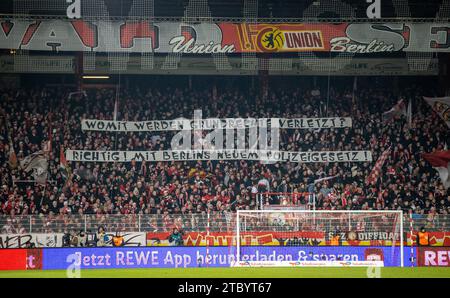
point(375, 173)
point(435, 238)
point(433, 256)
point(205, 38)
point(375, 238)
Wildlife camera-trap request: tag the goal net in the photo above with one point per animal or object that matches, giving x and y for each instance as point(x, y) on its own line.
point(285, 201)
point(318, 238)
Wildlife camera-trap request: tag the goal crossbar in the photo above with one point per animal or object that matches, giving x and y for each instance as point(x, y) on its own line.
point(319, 211)
point(350, 212)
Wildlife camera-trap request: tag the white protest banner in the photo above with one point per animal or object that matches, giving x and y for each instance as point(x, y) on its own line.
point(213, 123)
point(226, 154)
point(38, 239)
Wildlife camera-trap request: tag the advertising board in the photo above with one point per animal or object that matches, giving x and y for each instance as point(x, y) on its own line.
point(183, 257)
point(433, 256)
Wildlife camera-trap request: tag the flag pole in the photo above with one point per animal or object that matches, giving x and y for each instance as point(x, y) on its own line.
point(409, 112)
point(11, 146)
point(355, 88)
point(31, 181)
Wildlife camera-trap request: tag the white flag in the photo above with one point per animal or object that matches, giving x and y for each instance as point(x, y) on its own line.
point(38, 163)
point(441, 105)
point(324, 179)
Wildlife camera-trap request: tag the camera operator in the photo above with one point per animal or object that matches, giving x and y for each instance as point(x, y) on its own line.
point(73, 239)
point(66, 239)
point(176, 238)
point(101, 236)
point(82, 239)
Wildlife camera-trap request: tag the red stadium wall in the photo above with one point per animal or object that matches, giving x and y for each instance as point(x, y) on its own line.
point(13, 259)
point(436, 238)
point(20, 259)
point(291, 238)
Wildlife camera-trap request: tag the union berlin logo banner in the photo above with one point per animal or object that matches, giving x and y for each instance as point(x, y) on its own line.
point(205, 38)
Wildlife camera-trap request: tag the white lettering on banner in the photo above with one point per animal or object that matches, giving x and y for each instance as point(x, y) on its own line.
point(430, 257)
point(437, 258)
point(304, 256)
point(368, 236)
point(226, 154)
point(171, 258)
point(307, 264)
point(213, 123)
point(129, 258)
point(164, 37)
point(189, 47)
point(345, 44)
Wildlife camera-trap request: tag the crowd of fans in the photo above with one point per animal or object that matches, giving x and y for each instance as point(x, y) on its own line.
point(30, 117)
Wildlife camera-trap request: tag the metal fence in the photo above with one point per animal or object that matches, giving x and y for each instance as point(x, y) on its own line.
point(215, 222)
point(198, 222)
point(431, 222)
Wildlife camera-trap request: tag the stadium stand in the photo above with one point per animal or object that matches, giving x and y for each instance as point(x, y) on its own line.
point(38, 114)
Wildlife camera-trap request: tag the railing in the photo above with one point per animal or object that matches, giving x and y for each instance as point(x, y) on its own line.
point(197, 222)
point(437, 222)
point(264, 20)
point(217, 222)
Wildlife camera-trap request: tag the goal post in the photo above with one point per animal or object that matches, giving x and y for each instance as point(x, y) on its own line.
point(326, 238)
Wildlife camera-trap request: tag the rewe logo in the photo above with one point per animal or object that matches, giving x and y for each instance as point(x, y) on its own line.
point(374, 9)
point(74, 9)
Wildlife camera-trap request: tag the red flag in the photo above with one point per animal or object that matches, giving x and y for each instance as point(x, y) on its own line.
point(116, 103)
point(375, 173)
point(48, 145)
point(440, 161)
point(64, 165)
point(12, 160)
point(143, 168)
point(62, 158)
point(344, 197)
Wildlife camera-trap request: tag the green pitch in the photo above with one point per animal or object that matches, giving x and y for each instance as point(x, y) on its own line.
point(313, 272)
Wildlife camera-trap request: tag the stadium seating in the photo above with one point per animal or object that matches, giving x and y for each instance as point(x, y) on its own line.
point(38, 114)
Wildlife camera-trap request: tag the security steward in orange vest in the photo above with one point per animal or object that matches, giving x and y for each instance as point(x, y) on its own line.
point(118, 240)
point(334, 239)
point(423, 237)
